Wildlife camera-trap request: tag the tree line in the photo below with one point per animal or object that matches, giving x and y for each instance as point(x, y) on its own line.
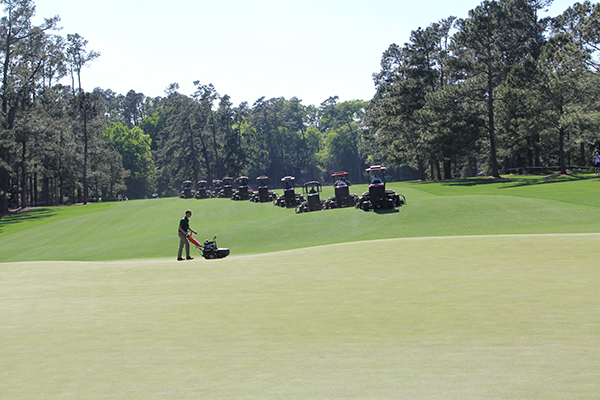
point(499, 90)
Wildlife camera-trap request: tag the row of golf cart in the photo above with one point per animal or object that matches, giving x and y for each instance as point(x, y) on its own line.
point(377, 197)
point(309, 199)
point(224, 188)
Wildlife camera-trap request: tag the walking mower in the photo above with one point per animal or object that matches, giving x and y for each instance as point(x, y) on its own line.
point(209, 249)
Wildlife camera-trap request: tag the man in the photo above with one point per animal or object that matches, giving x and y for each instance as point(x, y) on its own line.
point(184, 227)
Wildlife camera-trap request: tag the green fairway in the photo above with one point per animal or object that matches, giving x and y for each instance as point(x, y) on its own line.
point(499, 317)
point(476, 289)
point(147, 228)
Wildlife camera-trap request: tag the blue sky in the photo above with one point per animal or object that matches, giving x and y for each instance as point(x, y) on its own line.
point(311, 49)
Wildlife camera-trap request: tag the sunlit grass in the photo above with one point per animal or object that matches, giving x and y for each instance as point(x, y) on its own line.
point(504, 306)
point(147, 228)
point(431, 318)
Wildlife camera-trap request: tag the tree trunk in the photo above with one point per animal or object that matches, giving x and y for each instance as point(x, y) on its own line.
point(561, 150)
point(447, 169)
point(421, 166)
point(205, 155)
point(490, 102)
point(24, 176)
point(432, 172)
point(193, 156)
point(358, 174)
point(472, 166)
point(46, 192)
point(35, 189)
point(307, 155)
point(214, 131)
point(529, 156)
point(85, 156)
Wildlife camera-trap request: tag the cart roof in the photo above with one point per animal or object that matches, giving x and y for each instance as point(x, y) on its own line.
point(263, 177)
point(375, 168)
point(339, 174)
point(312, 183)
point(288, 178)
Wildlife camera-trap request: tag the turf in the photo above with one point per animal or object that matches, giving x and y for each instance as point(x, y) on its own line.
point(147, 228)
point(498, 317)
point(475, 289)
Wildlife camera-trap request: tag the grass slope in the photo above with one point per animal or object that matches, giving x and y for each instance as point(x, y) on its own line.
point(147, 228)
point(499, 317)
point(408, 316)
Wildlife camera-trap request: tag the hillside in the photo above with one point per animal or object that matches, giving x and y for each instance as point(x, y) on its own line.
point(147, 228)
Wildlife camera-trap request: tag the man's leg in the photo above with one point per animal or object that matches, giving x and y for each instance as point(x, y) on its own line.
point(187, 248)
point(182, 242)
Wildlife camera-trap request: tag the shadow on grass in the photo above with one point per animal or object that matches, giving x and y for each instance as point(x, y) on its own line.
point(386, 211)
point(511, 182)
point(31, 215)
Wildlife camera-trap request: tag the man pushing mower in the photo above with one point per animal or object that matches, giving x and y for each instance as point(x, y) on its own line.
point(209, 249)
point(184, 227)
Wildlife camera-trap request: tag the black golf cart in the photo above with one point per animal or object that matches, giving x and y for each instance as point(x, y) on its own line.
point(242, 192)
point(343, 197)
point(202, 191)
point(378, 197)
point(289, 198)
point(313, 200)
point(226, 189)
point(217, 188)
point(263, 194)
point(186, 190)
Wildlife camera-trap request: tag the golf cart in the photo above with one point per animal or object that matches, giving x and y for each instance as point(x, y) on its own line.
point(343, 197)
point(202, 191)
point(227, 190)
point(263, 194)
point(289, 198)
point(186, 190)
point(313, 200)
point(378, 197)
point(217, 188)
point(242, 192)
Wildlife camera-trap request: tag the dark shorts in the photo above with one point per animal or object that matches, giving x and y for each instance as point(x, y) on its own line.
point(597, 165)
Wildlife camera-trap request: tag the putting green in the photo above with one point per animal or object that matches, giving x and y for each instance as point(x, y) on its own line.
point(429, 318)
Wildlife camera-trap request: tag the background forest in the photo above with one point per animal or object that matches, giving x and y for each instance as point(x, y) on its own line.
point(499, 91)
